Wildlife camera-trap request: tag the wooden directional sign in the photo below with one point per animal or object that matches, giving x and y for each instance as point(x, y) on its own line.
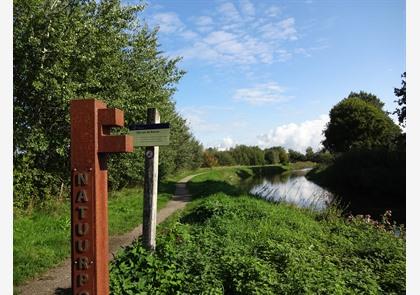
point(150, 134)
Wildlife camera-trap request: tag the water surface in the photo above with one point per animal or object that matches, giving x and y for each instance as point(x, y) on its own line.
point(291, 187)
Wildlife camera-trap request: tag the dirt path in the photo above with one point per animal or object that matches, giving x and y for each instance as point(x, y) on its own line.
point(58, 281)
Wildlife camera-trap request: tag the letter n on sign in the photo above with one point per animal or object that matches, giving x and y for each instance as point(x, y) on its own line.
point(83, 235)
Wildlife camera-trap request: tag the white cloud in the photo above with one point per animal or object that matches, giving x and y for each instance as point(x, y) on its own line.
point(189, 35)
point(199, 117)
point(284, 29)
point(168, 22)
point(226, 144)
point(229, 12)
point(296, 136)
point(233, 35)
point(195, 120)
point(219, 37)
point(225, 47)
point(262, 94)
point(273, 11)
point(204, 21)
point(247, 8)
point(302, 51)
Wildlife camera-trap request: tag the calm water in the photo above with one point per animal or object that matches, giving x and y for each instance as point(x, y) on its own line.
point(291, 187)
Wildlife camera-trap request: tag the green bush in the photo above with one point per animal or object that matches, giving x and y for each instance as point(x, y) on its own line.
point(244, 245)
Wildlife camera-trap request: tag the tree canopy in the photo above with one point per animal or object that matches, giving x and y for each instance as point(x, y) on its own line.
point(87, 49)
point(367, 97)
point(356, 123)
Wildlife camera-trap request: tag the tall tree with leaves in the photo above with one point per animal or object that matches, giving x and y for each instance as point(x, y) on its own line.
point(66, 49)
point(358, 124)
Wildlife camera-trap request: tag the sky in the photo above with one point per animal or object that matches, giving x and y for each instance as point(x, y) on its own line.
point(267, 73)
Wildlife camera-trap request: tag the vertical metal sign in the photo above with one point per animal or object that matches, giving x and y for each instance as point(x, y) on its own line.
point(91, 123)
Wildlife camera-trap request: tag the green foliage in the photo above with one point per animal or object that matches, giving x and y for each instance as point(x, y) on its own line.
point(209, 159)
point(295, 156)
point(356, 124)
point(87, 49)
point(276, 155)
point(367, 97)
point(247, 155)
point(324, 157)
point(224, 158)
point(309, 154)
point(378, 178)
point(244, 245)
point(400, 92)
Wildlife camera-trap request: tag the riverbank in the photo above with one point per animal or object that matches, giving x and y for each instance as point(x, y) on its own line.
point(366, 182)
point(227, 242)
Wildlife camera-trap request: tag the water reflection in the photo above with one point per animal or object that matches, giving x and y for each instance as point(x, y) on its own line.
point(291, 187)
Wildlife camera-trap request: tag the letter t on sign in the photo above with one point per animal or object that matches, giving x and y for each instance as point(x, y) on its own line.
point(91, 122)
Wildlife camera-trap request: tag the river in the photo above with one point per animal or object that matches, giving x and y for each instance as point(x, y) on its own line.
point(290, 187)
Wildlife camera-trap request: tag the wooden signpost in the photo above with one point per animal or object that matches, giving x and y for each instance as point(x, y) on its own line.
point(91, 122)
point(151, 135)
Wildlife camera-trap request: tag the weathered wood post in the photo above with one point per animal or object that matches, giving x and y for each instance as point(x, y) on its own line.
point(151, 135)
point(91, 122)
point(151, 165)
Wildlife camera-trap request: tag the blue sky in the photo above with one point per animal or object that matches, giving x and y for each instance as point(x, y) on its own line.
point(267, 72)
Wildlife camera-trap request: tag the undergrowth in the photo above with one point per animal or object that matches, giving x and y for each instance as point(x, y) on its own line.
point(237, 244)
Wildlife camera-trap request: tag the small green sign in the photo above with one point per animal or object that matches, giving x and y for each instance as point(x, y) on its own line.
point(150, 135)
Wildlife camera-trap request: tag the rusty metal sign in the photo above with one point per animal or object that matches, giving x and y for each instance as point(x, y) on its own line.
point(91, 122)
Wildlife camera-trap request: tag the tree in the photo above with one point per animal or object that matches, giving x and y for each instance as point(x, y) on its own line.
point(209, 159)
point(323, 157)
point(295, 156)
point(86, 49)
point(275, 155)
point(309, 154)
point(283, 156)
point(355, 123)
point(367, 97)
point(224, 158)
point(400, 92)
point(271, 156)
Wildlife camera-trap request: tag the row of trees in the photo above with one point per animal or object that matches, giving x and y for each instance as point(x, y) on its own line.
point(87, 49)
point(253, 155)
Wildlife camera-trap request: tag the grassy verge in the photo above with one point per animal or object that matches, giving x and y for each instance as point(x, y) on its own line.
point(41, 239)
point(228, 243)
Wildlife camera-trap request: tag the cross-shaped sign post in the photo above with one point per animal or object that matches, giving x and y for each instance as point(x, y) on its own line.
point(151, 135)
point(91, 123)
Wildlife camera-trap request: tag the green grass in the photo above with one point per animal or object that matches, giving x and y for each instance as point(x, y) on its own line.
point(229, 243)
point(41, 239)
point(125, 209)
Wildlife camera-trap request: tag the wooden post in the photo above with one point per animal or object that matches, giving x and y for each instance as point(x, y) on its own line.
point(150, 187)
point(91, 122)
